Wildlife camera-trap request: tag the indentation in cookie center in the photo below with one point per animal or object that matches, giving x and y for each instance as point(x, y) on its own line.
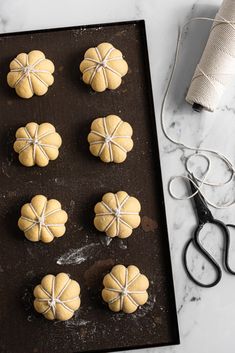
point(52, 302)
point(117, 212)
point(108, 139)
point(41, 220)
point(124, 292)
point(103, 63)
point(27, 69)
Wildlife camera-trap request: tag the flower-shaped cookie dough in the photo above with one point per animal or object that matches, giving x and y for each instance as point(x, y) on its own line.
point(117, 214)
point(42, 219)
point(125, 288)
point(110, 139)
point(57, 297)
point(37, 144)
point(103, 67)
point(31, 74)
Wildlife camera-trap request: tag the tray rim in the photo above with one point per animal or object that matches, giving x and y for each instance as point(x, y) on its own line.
point(142, 24)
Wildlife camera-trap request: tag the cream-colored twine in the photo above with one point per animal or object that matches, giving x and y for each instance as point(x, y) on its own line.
point(102, 64)
point(201, 152)
point(34, 141)
point(28, 70)
point(123, 290)
point(217, 64)
point(117, 214)
point(52, 301)
point(108, 139)
point(41, 220)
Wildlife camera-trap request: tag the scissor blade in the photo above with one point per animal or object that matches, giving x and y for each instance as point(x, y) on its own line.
point(203, 212)
point(195, 190)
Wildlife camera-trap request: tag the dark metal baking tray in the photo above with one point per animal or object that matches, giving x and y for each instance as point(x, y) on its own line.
point(79, 180)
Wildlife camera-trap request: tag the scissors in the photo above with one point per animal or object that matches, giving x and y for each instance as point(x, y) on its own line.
point(204, 217)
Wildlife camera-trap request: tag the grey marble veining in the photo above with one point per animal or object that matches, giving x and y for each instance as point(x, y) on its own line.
point(206, 316)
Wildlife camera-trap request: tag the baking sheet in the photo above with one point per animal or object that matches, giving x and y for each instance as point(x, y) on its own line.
point(78, 180)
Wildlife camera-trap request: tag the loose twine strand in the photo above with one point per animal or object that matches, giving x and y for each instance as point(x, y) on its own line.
point(201, 152)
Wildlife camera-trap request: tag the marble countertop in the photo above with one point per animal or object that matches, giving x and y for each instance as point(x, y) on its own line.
point(206, 316)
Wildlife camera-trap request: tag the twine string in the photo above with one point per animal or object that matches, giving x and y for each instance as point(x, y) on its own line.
point(123, 290)
point(27, 70)
point(201, 152)
point(53, 300)
point(40, 220)
point(34, 141)
point(117, 214)
point(108, 139)
point(102, 64)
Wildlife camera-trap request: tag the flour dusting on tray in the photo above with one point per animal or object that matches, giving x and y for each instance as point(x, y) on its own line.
point(77, 256)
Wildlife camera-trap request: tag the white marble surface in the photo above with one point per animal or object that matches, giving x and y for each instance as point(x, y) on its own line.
point(206, 316)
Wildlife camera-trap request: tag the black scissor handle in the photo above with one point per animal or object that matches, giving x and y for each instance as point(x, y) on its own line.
point(226, 233)
point(196, 242)
point(227, 249)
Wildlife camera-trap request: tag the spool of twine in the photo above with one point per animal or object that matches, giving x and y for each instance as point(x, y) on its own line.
point(214, 72)
point(216, 68)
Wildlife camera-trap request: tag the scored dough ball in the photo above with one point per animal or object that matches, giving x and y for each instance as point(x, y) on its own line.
point(57, 297)
point(42, 219)
point(117, 214)
point(37, 144)
point(110, 139)
point(31, 74)
point(103, 67)
point(125, 289)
